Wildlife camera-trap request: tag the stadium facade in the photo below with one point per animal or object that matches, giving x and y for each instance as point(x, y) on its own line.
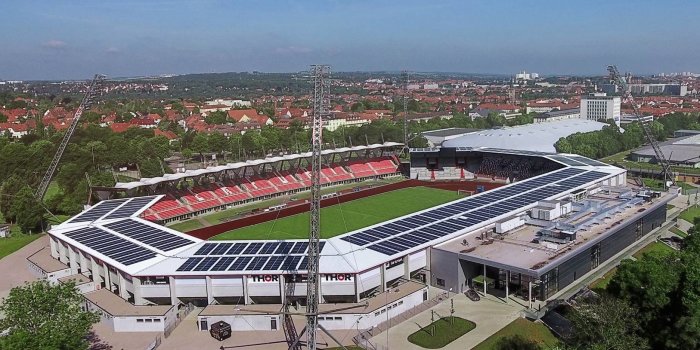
point(560, 217)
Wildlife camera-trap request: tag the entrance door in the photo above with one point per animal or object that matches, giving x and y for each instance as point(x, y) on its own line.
point(273, 324)
point(204, 324)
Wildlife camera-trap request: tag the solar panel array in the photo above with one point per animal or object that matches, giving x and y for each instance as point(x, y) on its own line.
point(568, 161)
point(249, 256)
point(98, 210)
point(155, 237)
point(587, 161)
point(411, 231)
point(130, 208)
point(112, 246)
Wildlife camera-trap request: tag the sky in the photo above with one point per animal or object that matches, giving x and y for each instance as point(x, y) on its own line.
point(74, 39)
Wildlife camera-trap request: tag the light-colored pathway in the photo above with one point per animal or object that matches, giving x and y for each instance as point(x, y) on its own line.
point(490, 315)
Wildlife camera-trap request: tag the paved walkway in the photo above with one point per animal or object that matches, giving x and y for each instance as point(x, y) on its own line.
point(14, 267)
point(490, 315)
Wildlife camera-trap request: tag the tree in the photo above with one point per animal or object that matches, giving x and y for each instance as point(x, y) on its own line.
point(3, 118)
point(516, 342)
point(39, 315)
point(605, 324)
point(200, 144)
point(27, 210)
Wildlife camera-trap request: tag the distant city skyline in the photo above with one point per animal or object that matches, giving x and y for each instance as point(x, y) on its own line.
point(74, 39)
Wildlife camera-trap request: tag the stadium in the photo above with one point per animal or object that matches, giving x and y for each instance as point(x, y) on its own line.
point(518, 224)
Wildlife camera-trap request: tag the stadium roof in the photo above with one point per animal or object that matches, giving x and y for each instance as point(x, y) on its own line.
point(111, 232)
point(539, 137)
point(238, 165)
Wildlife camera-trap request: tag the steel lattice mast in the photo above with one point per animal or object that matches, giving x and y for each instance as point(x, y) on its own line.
point(84, 105)
point(321, 101)
point(627, 96)
point(405, 77)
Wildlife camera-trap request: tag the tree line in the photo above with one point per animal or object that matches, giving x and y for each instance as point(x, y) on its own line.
point(611, 140)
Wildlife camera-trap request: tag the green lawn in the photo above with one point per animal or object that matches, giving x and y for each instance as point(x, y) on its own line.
point(15, 242)
point(690, 214)
point(602, 283)
point(188, 225)
point(670, 206)
point(447, 330)
point(679, 232)
point(345, 217)
point(655, 184)
point(653, 248)
point(533, 331)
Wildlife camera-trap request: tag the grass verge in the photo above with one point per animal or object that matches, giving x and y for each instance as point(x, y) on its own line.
point(690, 214)
point(446, 330)
point(15, 242)
point(679, 232)
point(601, 284)
point(535, 332)
point(653, 248)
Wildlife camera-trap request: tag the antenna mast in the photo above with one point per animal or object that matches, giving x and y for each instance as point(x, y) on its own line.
point(84, 105)
point(405, 77)
point(321, 101)
point(627, 96)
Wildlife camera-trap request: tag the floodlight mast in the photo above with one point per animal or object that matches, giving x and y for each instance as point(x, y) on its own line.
point(321, 102)
point(666, 172)
point(84, 105)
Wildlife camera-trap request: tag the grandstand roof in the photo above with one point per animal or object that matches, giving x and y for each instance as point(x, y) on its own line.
point(151, 249)
point(538, 137)
point(238, 165)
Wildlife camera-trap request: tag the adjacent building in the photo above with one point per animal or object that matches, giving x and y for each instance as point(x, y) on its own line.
point(600, 107)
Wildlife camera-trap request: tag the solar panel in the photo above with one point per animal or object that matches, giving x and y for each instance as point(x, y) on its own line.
point(130, 208)
point(303, 265)
point(114, 247)
point(284, 247)
point(223, 263)
point(240, 263)
point(274, 262)
point(299, 247)
point(290, 262)
point(205, 249)
point(150, 235)
point(257, 263)
point(268, 248)
point(221, 249)
point(98, 210)
point(253, 248)
point(237, 249)
point(206, 264)
point(189, 264)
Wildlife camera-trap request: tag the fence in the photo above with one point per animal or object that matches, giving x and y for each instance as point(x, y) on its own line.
point(181, 314)
point(363, 339)
point(155, 344)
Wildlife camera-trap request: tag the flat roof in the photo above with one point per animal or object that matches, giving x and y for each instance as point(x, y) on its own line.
point(45, 261)
point(537, 137)
point(515, 249)
point(77, 278)
point(448, 132)
point(116, 306)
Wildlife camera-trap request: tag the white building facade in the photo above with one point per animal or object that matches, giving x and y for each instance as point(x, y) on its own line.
point(600, 107)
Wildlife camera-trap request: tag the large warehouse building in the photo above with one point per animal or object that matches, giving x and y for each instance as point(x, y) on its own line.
point(528, 238)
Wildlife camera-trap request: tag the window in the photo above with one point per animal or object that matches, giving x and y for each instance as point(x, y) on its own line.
point(273, 324)
point(338, 318)
point(139, 320)
point(440, 282)
point(401, 302)
point(148, 320)
point(376, 313)
point(157, 320)
point(383, 310)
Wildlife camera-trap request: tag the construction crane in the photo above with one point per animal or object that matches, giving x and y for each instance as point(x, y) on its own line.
point(666, 172)
point(84, 105)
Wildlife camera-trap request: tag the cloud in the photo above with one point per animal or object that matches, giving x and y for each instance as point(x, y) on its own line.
point(54, 44)
point(294, 50)
point(112, 49)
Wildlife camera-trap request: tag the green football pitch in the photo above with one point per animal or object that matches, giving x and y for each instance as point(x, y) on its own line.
point(348, 216)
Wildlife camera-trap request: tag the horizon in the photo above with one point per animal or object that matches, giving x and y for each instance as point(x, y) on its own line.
point(72, 40)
